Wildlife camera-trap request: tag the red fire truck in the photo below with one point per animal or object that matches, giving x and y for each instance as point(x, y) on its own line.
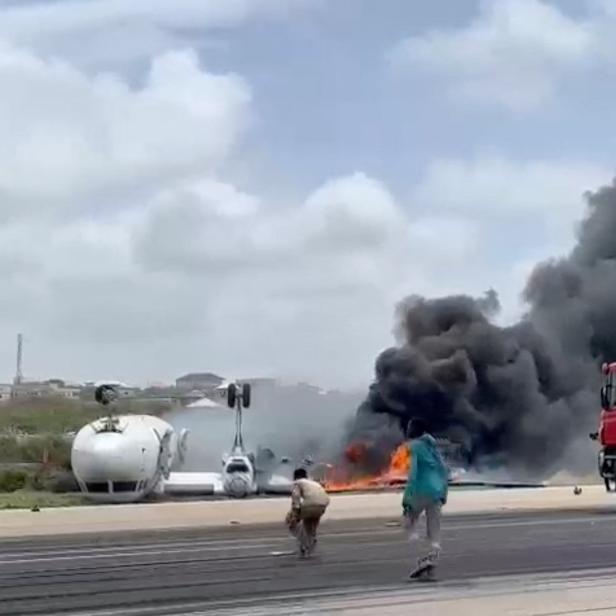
point(607, 428)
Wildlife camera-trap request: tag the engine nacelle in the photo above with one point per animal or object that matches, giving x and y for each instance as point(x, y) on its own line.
point(239, 476)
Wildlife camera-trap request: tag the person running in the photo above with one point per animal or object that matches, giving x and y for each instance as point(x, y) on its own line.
point(425, 492)
point(309, 500)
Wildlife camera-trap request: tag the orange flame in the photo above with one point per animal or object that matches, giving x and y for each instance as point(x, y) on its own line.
point(400, 460)
point(355, 452)
point(395, 474)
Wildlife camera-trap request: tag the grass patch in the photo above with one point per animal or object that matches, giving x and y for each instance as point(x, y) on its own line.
point(58, 415)
point(40, 448)
point(27, 499)
point(12, 480)
point(48, 416)
point(40, 430)
point(43, 479)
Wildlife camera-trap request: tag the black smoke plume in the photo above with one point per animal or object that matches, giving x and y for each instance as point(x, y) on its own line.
point(523, 397)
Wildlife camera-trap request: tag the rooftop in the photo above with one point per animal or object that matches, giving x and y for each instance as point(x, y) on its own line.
point(201, 375)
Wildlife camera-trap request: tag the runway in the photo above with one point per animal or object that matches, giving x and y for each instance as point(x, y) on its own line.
point(239, 569)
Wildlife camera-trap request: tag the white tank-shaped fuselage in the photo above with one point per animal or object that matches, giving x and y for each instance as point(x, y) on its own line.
point(123, 458)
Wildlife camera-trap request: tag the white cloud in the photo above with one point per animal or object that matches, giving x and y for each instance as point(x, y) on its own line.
point(69, 140)
point(117, 235)
point(346, 233)
point(306, 281)
point(115, 32)
point(265, 308)
point(81, 160)
point(64, 16)
point(195, 263)
point(457, 236)
point(355, 212)
point(544, 193)
point(202, 226)
point(283, 290)
point(514, 53)
point(352, 249)
point(495, 217)
point(126, 249)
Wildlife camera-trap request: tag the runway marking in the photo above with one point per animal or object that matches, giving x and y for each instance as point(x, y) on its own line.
point(591, 610)
point(466, 522)
point(283, 553)
point(248, 553)
point(386, 528)
point(377, 597)
point(86, 549)
point(246, 543)
point(158, 552)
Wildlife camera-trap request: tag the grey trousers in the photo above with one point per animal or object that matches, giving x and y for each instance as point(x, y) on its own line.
point(432, 510)
point(303, 525)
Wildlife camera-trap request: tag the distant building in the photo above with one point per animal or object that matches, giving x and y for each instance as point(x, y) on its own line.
point(5, 393)
point(158, 392)
point(202, 381)
point(124, 391)
point(45, 389)
point(64, 389)
point(170, 395)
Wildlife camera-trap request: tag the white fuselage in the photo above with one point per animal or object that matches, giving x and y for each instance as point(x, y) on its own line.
point(124, 463)
point(126, 460)
point(239, 477)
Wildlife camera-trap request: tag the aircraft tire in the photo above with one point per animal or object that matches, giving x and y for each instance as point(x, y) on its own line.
point(232, 395)
point(104, 394)
point(246, 395)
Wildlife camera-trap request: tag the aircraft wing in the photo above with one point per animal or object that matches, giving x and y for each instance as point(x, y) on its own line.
point(208, 484)
point(275, 484)
point(204, 403)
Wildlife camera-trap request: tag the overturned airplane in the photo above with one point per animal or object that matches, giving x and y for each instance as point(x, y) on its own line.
point(126, 458)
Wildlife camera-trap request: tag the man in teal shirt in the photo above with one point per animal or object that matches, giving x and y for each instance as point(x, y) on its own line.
point(425, 492)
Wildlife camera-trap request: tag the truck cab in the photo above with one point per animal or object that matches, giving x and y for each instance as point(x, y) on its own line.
point(607, 427)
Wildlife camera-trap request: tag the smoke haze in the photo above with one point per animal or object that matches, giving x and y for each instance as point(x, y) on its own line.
point(523, 397)
point(293, 421)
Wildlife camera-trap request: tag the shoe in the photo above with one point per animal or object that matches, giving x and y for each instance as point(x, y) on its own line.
point(429, 574)
point(424, 571)
point(417, 573)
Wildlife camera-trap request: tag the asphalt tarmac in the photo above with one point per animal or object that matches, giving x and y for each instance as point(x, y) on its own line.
point(243, 568)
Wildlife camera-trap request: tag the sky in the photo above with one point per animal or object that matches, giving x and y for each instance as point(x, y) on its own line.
point(251, 186)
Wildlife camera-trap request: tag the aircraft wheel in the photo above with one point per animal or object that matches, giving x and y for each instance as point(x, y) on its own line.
point(232, 395)
point(105, 394)
point(246, 395)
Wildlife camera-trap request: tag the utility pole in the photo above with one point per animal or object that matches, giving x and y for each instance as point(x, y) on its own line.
point(18, 372)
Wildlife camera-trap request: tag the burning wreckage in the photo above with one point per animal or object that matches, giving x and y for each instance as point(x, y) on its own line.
point(351, 474)
point(520, 398)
